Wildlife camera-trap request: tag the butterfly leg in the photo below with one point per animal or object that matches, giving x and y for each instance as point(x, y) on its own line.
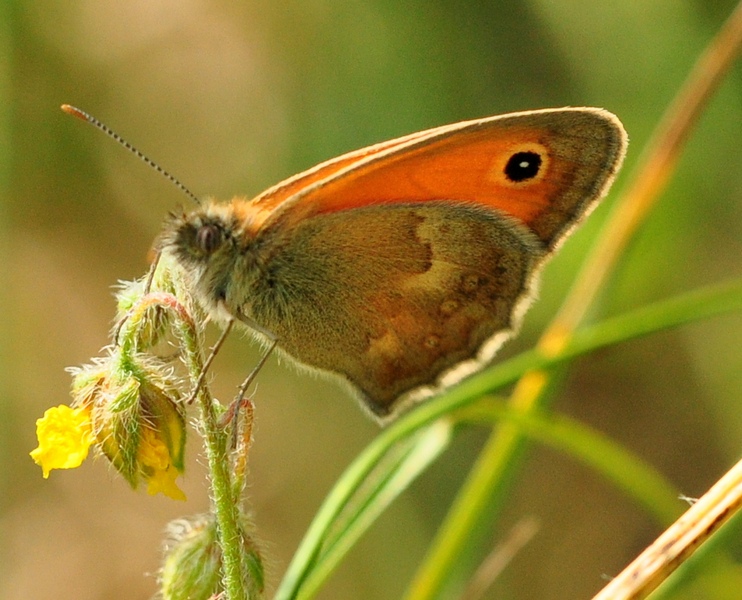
point(249, 379)
point(212, 355)
point(232, 414)
point(152, 270)
point(273, 341)
point(240, 401)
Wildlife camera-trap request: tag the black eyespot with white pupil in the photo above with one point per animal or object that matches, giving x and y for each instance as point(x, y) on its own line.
point(523, 166)
point(209, 238)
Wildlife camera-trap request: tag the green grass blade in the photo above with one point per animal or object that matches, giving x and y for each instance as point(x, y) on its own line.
point(374, 497)
point(680, 310)
point(621, 467)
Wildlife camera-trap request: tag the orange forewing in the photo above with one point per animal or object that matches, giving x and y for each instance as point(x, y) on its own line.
point(460, 167)
point(465, 162)
point(263, 205)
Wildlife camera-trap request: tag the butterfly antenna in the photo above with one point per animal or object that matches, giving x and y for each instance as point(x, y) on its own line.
point(81, 114)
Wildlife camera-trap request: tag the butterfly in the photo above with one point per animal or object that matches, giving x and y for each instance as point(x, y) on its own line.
point(401, 268)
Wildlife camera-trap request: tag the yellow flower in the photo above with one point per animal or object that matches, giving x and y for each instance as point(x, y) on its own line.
point(65, 435)
point(129, 407)
point(137, 419)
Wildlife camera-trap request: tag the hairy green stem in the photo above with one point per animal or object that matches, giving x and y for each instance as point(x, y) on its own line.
point(224, 503)
point(223, 495)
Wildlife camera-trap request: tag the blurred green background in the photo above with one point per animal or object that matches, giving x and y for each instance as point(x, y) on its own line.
point(231, 97)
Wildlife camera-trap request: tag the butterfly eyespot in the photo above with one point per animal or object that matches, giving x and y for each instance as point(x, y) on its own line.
point(432, 342)
point(449, 307)
point(523, 166)
point(470, 283)
point(209, 238)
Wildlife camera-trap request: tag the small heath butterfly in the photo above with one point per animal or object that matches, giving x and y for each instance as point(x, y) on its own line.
point(402, 267)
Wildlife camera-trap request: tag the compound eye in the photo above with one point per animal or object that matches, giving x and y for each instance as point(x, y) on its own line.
point(209, 238)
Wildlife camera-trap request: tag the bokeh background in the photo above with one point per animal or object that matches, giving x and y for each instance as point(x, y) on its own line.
point(231, 97)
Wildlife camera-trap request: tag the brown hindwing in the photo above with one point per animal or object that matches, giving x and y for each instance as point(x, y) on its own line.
point(391, 297)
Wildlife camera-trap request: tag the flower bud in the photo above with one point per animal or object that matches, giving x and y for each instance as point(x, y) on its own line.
point(192, 568)
point(153, 324)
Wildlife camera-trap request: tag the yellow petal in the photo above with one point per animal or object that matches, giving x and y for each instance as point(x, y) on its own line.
point(65, 436)
point(163, 482)
point(156, 466)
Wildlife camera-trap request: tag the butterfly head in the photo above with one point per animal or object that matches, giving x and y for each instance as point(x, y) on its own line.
point(208, 246)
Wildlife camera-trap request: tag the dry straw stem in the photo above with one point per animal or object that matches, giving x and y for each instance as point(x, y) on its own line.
point(500, 557)
point(679, 541)
point(723, 500)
